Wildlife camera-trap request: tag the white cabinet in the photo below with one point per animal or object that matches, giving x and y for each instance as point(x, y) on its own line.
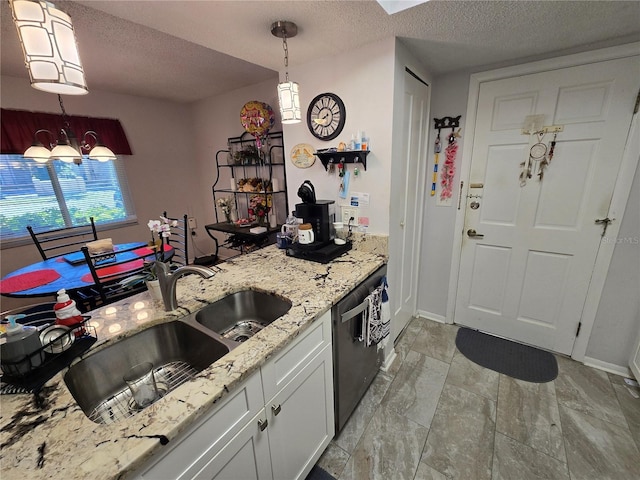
point(298, 389)
point(301, 419)
point(275, 426)
point(187, 455)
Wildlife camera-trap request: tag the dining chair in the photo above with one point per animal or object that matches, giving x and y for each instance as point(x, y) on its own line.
point(179, 240)
point(111, 274)
point(60, 241)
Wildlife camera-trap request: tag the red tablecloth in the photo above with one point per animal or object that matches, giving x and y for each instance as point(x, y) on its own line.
point(114, 270)
point(25, 281)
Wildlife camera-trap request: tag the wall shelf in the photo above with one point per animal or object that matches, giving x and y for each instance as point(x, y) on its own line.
point(332, 156)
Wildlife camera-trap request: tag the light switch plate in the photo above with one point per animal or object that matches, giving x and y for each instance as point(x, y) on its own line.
point(192, 223)
point(349, 212)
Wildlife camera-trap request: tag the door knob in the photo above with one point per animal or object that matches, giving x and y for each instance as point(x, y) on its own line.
point(473, 234)
point(276, 409)
point(402, 223)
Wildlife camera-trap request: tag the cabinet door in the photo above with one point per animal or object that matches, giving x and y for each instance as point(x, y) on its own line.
point(186, 455)
point(301, 419)
point(286, 365)
point(245, 457)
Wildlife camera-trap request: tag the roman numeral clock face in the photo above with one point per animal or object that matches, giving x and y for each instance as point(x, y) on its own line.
point(326, 116)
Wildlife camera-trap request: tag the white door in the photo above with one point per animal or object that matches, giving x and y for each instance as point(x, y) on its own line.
point(407, 191)
point(527, 277)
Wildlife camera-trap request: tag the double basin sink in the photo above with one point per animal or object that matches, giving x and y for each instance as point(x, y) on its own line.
point(178, 350)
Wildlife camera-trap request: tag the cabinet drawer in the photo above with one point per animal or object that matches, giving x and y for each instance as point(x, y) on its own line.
point(281, 369)
point(195, 447)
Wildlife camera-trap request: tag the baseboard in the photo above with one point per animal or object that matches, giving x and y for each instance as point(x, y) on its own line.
point(607, 367)
point(388, 361)
point(431, 316)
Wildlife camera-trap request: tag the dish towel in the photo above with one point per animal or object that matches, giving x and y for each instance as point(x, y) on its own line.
point(376, 320)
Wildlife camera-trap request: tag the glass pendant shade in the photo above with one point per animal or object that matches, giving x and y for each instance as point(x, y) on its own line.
point(65, 152)
point(49, 46)
point(101, 153)
point(289, 102)
point(39, 153)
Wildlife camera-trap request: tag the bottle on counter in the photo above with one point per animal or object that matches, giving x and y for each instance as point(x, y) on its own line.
point(18, 354)
point(67, 312)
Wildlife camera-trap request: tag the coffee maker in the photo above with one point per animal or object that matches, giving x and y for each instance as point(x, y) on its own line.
point(321, 214)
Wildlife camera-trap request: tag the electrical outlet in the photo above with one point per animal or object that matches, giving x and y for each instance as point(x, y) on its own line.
point(350, 212)
point(192, 223)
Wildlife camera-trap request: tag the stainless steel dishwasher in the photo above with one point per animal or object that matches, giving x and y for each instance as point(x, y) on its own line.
point(354, 364)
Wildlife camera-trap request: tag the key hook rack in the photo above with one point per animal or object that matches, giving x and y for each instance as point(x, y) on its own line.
point(447, 122)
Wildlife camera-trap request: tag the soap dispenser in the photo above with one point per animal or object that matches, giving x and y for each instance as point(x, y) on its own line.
point(18, 354)
point(67, 312)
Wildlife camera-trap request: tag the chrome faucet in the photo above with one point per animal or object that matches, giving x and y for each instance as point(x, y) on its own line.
point(168, 279)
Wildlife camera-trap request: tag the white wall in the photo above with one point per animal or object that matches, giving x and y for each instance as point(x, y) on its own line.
point(161, 170)
point(448, 99)
point(617, 322)
point(363, 79)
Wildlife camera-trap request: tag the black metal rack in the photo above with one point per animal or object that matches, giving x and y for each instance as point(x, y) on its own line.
point(34, 370)
point(244, 160)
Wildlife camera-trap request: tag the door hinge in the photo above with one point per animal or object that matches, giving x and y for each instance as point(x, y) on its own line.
point(637, 105)
point(578, 329)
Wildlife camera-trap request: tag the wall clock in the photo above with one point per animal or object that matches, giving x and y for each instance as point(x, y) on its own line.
point(326, 116)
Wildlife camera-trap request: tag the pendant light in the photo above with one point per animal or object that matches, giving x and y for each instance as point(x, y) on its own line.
point(68, 148)
point(288, 95)
point(49, 45)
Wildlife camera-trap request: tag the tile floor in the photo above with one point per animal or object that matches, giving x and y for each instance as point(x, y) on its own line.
point(437, 415)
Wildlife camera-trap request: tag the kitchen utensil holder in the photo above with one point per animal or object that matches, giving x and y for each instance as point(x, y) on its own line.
point(49, 364)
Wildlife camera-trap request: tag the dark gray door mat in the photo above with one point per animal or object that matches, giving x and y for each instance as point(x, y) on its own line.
point(504, 356)
point(318, 473)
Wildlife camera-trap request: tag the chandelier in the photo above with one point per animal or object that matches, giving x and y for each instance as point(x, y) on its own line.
point(288, 96)
point(67, 148)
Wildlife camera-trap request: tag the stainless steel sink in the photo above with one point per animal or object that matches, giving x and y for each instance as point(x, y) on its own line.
point(241, 315)
point(178, 351)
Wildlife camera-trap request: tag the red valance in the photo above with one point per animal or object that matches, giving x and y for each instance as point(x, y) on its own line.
point(18, 127)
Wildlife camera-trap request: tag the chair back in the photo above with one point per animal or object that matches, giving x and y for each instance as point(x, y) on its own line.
point(110, 272)
point(35, 315)
point(60, 241)
point(179, 240)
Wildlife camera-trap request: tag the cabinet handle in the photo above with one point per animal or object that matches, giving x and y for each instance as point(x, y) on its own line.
point(262, 424)
point(276, 409)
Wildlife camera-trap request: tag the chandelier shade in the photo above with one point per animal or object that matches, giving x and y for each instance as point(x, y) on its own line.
point(289, 100)
point(50, 49)
point(288, 92)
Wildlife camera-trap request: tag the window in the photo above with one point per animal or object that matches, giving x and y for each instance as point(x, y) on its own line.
point(58, 194)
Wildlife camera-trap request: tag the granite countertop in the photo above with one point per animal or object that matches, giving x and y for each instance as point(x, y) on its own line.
point(56, 440)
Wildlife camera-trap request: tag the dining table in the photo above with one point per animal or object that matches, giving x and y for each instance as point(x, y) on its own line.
point(69, 271)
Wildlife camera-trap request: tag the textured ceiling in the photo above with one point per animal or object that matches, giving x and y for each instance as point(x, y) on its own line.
point(186, 50)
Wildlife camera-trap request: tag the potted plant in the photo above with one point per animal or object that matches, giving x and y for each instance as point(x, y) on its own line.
point(162, 228)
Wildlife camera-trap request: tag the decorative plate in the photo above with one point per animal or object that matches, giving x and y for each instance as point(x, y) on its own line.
point(302, 155)
point(257, 118)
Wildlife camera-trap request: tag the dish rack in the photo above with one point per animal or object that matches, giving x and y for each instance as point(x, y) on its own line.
point(60, 346)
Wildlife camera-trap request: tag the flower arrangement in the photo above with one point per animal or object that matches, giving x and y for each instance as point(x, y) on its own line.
point(259, 206)
point(161, 227)
point(225, 204)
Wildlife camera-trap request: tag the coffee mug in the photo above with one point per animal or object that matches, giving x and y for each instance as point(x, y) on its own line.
point(305, 236)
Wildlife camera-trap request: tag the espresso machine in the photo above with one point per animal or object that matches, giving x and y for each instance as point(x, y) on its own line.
point(321, 214)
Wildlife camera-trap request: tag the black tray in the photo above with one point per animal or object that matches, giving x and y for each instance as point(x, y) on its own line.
point(323, 254)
